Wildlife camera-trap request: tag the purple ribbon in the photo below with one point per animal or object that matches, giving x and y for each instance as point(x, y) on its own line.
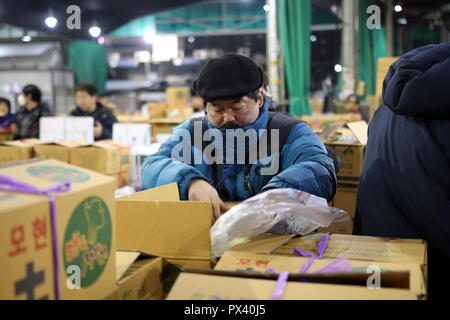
point(279, 288)
point(321, 250)
point(13, 185)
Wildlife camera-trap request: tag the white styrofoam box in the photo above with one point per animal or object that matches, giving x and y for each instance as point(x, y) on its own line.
point(162, 137)
point(133, 134)
point(54, 129)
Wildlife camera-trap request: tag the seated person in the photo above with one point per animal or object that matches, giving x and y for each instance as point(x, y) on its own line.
point(88, 106)
point(7, 119)
point(29, 114)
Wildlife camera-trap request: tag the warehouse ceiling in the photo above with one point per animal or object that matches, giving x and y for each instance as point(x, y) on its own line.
point(109, 14)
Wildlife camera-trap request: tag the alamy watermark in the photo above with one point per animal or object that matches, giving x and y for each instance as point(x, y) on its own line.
point(242, 147)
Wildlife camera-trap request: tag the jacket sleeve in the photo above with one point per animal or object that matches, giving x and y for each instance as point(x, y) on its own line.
point(162, 168)
point(305, 165)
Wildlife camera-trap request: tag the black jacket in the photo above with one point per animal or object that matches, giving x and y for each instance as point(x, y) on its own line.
point(28, 121)
point(100, 114)
point(405, 183)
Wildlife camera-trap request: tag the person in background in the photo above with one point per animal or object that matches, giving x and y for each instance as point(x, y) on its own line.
point(88, 106)
point(353, 105)
point(30, 112)
point(7, 119)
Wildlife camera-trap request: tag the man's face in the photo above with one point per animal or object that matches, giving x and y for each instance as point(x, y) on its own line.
point(85, 101)
point(232, 114)
point(3, 109)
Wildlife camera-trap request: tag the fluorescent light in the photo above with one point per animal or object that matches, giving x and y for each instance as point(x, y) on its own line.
point(313, 38)
point(26, 38)
point(95, 31)
point(191, 39)
point(149, 35)
point(266, 8)
point(402, 21)
point(398, 8)
point(51, 22)
point(338, 68)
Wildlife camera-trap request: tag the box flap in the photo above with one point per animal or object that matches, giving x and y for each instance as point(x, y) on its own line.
point(124, 259)
point(330, 130)
point(264, 243)
point(359, 129)
point(168, 192)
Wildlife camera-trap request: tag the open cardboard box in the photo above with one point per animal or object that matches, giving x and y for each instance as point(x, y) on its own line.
point(349, 143)
point(218, 285)
point(138, 277)
point(253, 262)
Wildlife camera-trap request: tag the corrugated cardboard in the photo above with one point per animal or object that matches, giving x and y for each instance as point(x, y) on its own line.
point(12, 151)
point(157, 109)
point(345, 198)
point(242, 261)
point(56, 150)
point(178, 97)
point(263, 243)
point(125, 153)
point(361, 248)
point(191, 286)
point(5, 136)
point(85, 225)
point(122, 178)
point(350, 153)
point(173, 267)
point(139, 276)
point(98, 157)
point(384, 64)
point(156, 221)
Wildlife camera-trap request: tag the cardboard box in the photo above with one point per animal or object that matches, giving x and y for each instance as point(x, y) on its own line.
point(5, 136)
point(122, 179)
point(157, 109)
point(192, 286)
point(345, 198)
point(319, 120)
point(157, 222)
point(138, 276)
point(384, 64)
point(98, 157)
point(242, 261)
point(178, 97)
point(164, 126)
point(56, 150)
point(132, 134)
point(350, 147)
point(12, 151)
point(173, 267)
point(85, 230)
point(361, 248)
point(125, 153)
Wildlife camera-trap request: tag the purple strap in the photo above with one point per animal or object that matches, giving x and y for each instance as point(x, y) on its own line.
point(13, 185)
point(320, 248)
point(279, 288)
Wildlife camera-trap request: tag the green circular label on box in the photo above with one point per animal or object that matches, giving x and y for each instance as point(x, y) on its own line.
point(58, 174)
point(87, 240)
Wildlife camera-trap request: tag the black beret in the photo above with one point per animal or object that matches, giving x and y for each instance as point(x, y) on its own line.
point(228, 77)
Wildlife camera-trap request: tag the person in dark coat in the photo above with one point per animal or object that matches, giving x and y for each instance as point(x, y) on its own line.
point(405, 184)
point(30, 113)
point(88, 106)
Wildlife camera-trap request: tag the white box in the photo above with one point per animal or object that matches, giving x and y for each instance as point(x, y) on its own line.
point(133, 134)
point(54, 129)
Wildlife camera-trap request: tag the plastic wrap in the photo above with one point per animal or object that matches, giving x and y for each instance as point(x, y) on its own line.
point(282, 211)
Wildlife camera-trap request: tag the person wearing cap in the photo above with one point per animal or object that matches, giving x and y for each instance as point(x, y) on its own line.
point(231, 89)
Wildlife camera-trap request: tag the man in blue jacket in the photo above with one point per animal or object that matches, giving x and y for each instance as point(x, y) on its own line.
point(234, 103)
point(405, 184)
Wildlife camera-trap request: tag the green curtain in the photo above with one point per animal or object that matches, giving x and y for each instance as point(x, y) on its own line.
point(294, 19)
point(89, 63)
point(372, 45)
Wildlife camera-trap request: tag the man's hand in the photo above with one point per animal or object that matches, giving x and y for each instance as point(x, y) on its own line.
point(200, 190)
point(98, 129)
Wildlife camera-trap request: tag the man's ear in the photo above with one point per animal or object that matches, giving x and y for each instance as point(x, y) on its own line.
point(260, 98)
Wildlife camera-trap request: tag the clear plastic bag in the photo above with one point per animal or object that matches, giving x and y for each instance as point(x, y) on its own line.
point(282, 211)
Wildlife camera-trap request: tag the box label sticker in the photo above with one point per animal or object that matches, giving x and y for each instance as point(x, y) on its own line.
point(87, 240)
point(58, 174)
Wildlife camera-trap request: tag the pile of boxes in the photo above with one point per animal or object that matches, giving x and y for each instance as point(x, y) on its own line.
point(106, 157)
